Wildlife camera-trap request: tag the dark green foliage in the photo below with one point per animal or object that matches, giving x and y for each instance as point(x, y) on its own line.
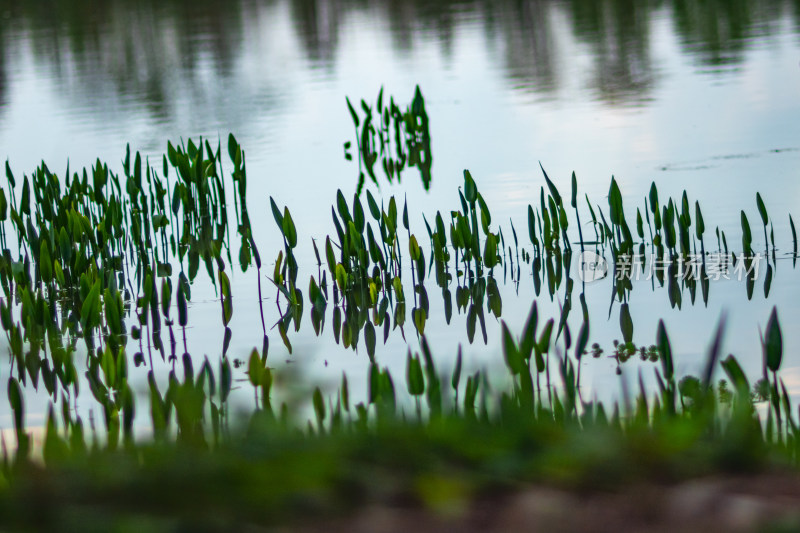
point(399, 138)
point(99, 245)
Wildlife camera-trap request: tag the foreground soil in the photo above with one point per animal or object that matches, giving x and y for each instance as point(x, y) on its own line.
point(767, 502)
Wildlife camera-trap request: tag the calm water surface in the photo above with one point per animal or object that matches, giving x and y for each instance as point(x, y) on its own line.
point(693, 96)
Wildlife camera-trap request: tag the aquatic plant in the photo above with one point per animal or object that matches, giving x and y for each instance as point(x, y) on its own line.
point(90, 257)
point(400, 138)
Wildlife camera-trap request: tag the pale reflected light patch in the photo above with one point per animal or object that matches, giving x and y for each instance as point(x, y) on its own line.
point(36, 435)
point(514, 190)
point(791, 378)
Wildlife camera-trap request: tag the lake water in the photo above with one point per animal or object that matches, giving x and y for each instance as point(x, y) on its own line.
point(702, 98)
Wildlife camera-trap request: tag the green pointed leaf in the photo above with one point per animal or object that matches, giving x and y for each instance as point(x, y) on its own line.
point(615, 203)
point(17, 405)
point(583, 341)
point(626, 323)
point(736, 374)
point(10, 176)
point(550, 185)
point(762, 209)
point(773, 342)
point(182, 308)
point(276, 213)
point(470, 189)
point(288, 228)
point(639, 224)
point(574, 201)
point(319, 405)
point(25, 201)
point(369, 339)
point(226, 379)
point(227, 299)
point(358, 215)
point(665, 351)
point(374, 391)
point(45, 262)
point(353, 113)
point(373, 207)
point(254, 368)
point(544, 338)
point(532, 227)
point(456, 378)
point(700, 226)
point(511, 352)
point(747, 237)
point(414, 377)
